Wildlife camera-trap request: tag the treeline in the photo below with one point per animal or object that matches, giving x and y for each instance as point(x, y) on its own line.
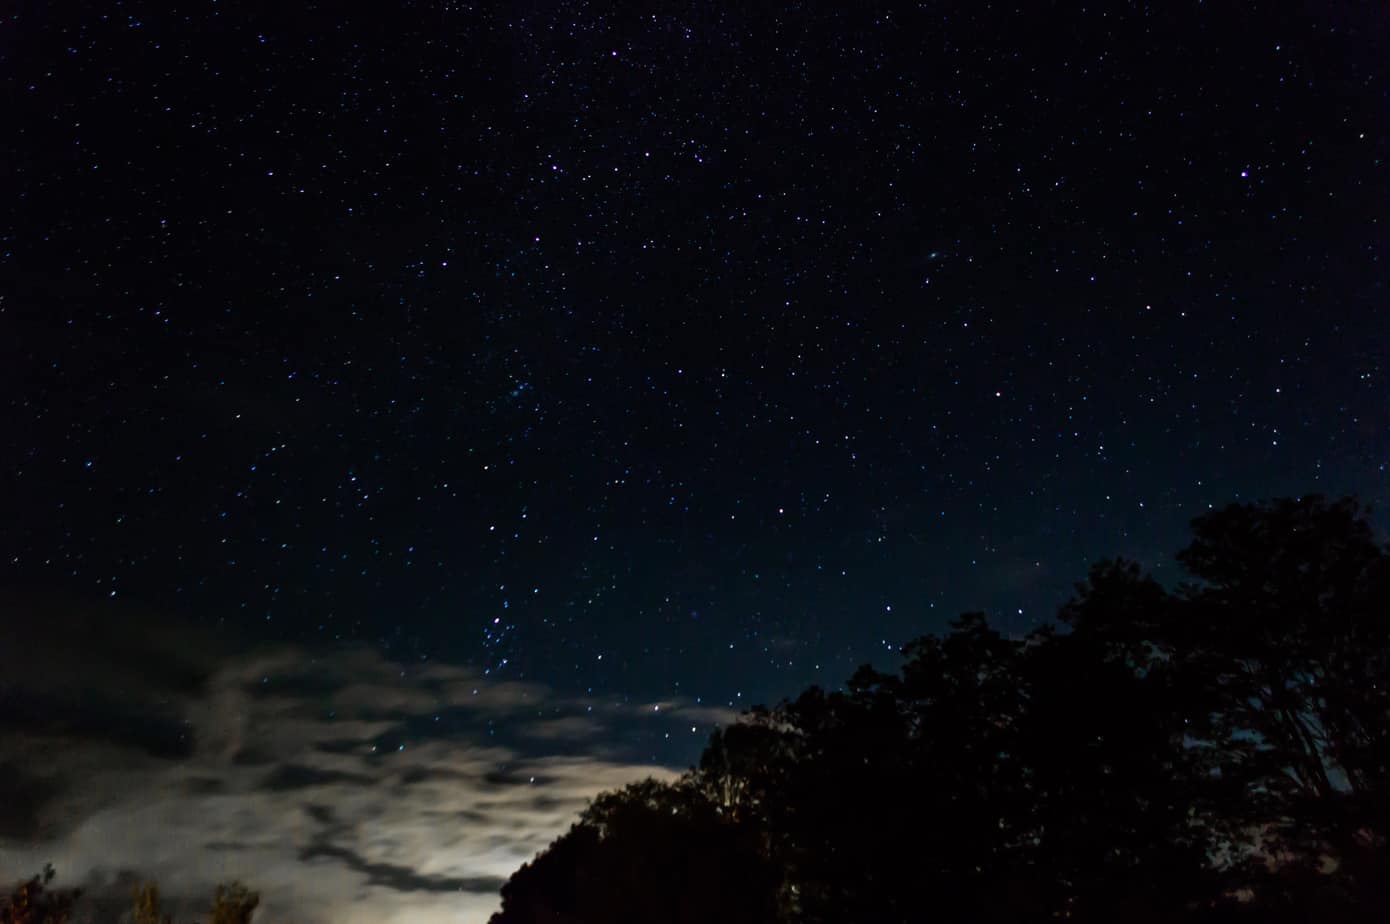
point(1215, 751)
point(35, 901)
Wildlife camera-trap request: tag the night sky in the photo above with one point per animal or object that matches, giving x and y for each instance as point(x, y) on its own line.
point(625, 361)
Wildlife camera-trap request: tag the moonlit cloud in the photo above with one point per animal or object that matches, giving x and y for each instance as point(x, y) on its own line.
point(345, 787)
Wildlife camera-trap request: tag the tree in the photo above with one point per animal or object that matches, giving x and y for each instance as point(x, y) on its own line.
point(1108, 826)
point(1288, 622)
point(651, 853)
point(33, 902)
point(1276, 659)
point(233, 903)
point(899, 784)
point(1212, 752)
point(145, 906)
point(989, 779)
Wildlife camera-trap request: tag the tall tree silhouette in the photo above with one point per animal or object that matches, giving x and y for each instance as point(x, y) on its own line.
point(146, 907)
point(1005, 779)
point(1276, 659)
point(1108, 788)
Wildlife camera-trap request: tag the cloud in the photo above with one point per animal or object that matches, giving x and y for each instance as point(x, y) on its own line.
point(342, 785)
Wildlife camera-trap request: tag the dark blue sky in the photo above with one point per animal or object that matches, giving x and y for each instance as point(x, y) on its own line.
point(702, 352)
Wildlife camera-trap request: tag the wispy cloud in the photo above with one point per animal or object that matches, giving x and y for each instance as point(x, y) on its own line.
point(344, 786)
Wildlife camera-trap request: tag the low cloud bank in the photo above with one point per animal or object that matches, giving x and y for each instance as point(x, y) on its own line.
point(344, 786)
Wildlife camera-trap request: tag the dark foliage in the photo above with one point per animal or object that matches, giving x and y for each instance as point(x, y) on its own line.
point(233, 903)
point(1213, 752)
point(649, 854)
point(34, 902)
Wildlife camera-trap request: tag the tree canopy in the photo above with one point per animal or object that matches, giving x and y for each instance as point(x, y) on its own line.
point(1212, 751)
point(35, 901)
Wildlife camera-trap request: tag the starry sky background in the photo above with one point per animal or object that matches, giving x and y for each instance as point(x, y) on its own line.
point(685, 355)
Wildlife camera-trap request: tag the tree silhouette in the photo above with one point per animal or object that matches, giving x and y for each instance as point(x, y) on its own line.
point(899, 785)
point(1276, 662)
point(1217, 752)
point(1007, 779)
point(1213, 752)
point(233, 903)
point(1109, 788)
point(33, 902)
point(649, 854)
point(145, 906)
